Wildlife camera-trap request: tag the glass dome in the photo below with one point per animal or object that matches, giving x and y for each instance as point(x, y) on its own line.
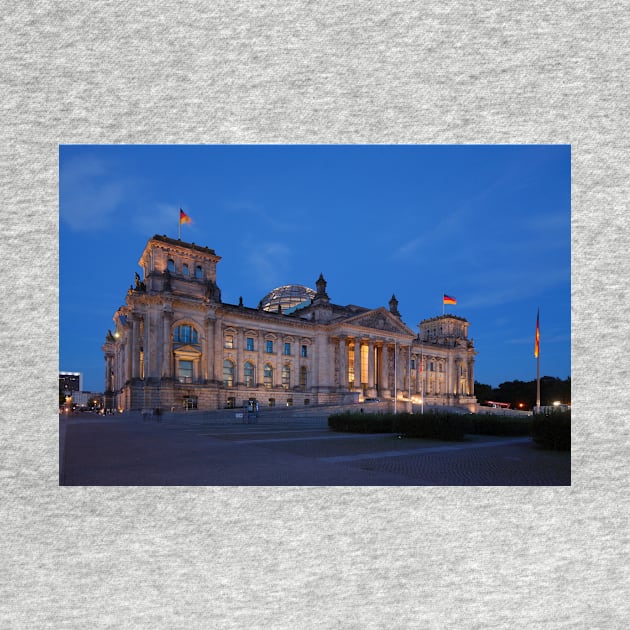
point(289, 298)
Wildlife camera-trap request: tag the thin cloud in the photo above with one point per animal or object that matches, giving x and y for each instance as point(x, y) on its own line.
point(451, 225)
point(504, 287)
point(269, 264)
point(161, 218)
point(253, 210)
point(88, 198)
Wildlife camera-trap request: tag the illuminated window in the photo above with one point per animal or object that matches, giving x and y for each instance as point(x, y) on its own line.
point(228, 373)
point(351, 365)
point(248, 374)
point(250, 344)
point(185, 371)
point(198, 272)
point(365, 350)
point(190, 402)
point(286, 376)
point(268, 376)
point(229, 341)
point(287, 349)
point(269, 346)
point(185, 334)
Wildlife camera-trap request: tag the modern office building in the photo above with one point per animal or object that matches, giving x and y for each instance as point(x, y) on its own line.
point(70, 382)
point(176, 344)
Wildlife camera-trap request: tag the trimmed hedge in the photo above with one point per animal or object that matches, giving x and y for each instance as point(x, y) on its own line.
point(431, 425)
point(436, 426)
point(553, 430)
point(439, 426)
point(361, 422)
point(490, 424)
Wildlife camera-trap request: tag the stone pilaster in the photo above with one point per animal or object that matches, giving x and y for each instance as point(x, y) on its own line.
point(357, 364)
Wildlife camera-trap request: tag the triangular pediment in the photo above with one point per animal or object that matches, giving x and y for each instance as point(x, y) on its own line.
point(379, 320)
point(187, 352)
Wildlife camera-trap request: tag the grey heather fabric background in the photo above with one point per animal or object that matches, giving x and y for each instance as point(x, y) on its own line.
point(326, 72)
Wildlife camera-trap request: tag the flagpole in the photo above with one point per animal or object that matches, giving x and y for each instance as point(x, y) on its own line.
point(179, 225)
point(537, 349)
point(538, 384)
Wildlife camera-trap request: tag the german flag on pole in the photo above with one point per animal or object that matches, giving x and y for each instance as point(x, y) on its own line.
point(449, 300)
point(183, 217)
point(537, 340)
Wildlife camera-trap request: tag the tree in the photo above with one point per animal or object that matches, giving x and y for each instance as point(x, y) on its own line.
point(523, 393)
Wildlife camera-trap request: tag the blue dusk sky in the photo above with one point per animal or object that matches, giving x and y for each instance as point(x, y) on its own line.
point(488, 225)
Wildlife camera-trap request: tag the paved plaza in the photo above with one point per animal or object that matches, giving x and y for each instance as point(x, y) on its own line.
point(281, 449)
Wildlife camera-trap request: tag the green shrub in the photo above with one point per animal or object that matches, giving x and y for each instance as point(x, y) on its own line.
point(449, 426)
point(491, 424)
point(436, 426)
point(361, 422)
point(552, 430)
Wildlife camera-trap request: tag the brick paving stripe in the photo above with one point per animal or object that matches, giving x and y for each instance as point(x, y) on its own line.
point(424, 450)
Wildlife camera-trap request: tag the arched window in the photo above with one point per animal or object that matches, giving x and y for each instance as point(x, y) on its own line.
point(185, 334)
point(228, 373)
point(248, 374)
point(170, 265)
point(185, 269)
point(268, 375)
point(286, 376)
point(198, 272)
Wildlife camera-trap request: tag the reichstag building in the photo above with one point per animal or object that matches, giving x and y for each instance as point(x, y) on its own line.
point(177, 345)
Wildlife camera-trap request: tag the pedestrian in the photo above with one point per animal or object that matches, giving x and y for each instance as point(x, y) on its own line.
point(157, 413)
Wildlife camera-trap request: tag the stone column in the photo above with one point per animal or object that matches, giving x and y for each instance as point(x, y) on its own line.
point(207, 350)
point(371, 392)
point(396, 367)
point(384, 379)
point(357, 364)
point(134, 346)
point(218, 352)
point(146, 346)
point(413, 381)
point(294, 363)
point(166, 344)
point(343, 363)
point(322, 356)
point(109, 384)
point(240, 342)
point(127, 355)
point(259, 340)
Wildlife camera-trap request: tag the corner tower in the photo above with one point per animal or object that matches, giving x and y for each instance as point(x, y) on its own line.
point(171, 265)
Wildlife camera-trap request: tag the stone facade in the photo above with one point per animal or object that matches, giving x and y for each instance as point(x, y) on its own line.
point(176, 344)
